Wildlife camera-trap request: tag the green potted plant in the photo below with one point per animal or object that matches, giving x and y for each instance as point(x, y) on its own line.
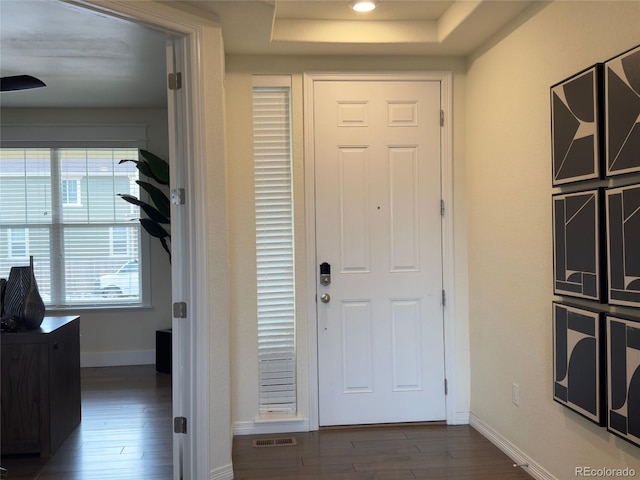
point(158, 212)
point(158, 217)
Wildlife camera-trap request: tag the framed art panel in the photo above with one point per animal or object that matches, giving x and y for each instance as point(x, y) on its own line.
point(576, 245)
point(622, 113)
point(623, 378)
point(576, 127)
point(623, 245)
point(578, 361)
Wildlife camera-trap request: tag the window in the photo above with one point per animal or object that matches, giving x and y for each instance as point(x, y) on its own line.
point(61, 206)
point(17, 243)
point(120, 241)
point(70, 192)
point(274, 245)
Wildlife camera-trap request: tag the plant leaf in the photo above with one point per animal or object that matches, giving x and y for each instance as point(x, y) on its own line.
point(142, 167)
point(158, 167)
point(154, 228)
point(158, 197)
point(154, 214)
point(163, 241)
point(131, 199)
point(159, 210)
point(151, 212)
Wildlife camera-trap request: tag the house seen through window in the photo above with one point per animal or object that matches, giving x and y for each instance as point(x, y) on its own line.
point(61, 206)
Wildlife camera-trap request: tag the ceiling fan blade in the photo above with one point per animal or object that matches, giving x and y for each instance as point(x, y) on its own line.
point(20, 82)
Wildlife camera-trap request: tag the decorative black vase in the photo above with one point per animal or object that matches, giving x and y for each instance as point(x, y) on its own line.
point(22, 301)
point(3, 284)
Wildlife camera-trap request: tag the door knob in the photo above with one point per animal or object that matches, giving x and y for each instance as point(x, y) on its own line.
point(325, 298)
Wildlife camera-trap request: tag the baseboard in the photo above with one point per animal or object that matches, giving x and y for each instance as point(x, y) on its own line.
point(517, 455)
point(117, 359)
point(222, 473)
point(461, 418)
point(260, 427)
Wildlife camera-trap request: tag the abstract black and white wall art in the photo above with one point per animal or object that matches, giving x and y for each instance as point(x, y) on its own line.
point(576, 245)
point(578, 361)
point(595, 135)
point(622, 113)
point(623, 378)
point(576, 127)
point(623, 245)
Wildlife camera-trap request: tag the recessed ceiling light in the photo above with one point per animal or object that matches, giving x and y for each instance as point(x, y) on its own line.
point(363, 5)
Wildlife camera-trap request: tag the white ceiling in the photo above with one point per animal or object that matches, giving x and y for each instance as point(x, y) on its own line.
point(92, 60)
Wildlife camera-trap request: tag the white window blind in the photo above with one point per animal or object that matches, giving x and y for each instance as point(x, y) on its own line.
point(60, 205)
point(274, 246)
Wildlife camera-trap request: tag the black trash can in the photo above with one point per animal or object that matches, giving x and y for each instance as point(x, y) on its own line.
point(163, 350)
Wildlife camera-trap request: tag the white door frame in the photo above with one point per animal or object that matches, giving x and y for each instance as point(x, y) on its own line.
point(192, 227)
point(177, 51)
point(445, 79)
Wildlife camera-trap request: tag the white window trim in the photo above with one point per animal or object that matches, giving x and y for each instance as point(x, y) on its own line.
point(73, 136)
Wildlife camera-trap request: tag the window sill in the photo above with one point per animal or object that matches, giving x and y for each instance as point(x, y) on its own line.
point(277, 418)
point(272, 424)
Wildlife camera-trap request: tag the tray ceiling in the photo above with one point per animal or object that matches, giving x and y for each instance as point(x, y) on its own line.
point(90, 60)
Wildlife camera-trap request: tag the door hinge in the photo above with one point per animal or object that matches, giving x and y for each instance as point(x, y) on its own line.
point(177, 196)
point(175, 81)
point(444, 298)
point(446, 387)
point(180, 425)
point(442, 208)
point(179, 310)
point(442, 118)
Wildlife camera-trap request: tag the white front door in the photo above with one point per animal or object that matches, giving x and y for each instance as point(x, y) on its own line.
point(378, 225)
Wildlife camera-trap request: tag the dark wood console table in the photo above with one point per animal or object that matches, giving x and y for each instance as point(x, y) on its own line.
point(40, 386)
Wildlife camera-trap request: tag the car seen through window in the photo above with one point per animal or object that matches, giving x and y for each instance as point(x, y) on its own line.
point(125, 282)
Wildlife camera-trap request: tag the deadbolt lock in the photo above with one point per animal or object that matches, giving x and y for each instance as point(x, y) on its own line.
point(325, 274)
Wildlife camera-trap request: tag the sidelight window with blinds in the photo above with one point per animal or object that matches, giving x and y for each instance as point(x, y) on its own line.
point(274, 244)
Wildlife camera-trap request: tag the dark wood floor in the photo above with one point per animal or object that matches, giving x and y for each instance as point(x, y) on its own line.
point(125, 432)
point(376, 453)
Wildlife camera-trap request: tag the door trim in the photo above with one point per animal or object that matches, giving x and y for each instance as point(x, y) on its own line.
point(446, 142)
point(200, 149)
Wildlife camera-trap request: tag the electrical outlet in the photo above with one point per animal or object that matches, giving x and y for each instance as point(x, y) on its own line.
point(515, 394)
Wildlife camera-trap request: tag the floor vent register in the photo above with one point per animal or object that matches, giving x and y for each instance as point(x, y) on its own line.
point(275, 442)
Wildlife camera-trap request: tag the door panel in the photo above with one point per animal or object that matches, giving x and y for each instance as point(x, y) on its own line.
point(404, 207)
point(357, 347)
point(380, 337)
point(355, 228)
point(407, 345)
